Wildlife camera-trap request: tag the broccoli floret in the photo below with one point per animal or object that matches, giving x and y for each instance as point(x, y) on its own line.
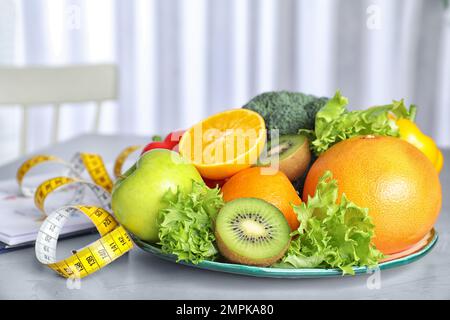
point(287, 111)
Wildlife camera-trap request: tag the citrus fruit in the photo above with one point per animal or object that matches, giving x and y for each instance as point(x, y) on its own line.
point(225, 143)
point(390, 177)
point(258, 183)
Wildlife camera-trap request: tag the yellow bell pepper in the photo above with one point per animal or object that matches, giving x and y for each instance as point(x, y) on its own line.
point(410, 132)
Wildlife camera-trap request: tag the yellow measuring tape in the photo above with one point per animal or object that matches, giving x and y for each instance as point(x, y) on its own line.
point(114, 241)
point(120, 160)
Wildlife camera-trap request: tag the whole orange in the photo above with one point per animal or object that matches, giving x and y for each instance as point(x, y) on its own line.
point(273, 188)
point(393, 179)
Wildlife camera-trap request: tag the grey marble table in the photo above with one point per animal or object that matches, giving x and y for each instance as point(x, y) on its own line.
point(139, 275)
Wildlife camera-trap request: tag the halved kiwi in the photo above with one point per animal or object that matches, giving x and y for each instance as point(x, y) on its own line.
point(253, 232)
point(292, 154)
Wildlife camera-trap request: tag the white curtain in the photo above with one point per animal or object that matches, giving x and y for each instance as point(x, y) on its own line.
point(181, 60)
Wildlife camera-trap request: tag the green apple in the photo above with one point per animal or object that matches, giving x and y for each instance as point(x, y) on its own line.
point(136, 196)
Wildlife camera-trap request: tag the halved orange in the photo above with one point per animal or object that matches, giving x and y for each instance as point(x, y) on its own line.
point(225, 143)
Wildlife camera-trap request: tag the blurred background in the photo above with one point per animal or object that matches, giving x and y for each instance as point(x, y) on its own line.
point(181, 60)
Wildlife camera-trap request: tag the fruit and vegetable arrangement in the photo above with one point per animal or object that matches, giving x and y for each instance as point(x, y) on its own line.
point(288, 181)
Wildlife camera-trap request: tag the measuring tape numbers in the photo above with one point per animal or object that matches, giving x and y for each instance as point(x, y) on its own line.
point(114, 241)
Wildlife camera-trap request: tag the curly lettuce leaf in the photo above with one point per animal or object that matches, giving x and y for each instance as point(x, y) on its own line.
point(186, 224)
point(332, 233)
point(335, 123)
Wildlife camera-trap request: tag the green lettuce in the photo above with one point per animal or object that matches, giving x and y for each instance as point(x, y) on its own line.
point(335, 123)
point(332, 233)
point(186, 224)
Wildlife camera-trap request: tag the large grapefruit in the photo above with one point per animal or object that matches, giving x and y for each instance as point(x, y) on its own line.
point(393, 179)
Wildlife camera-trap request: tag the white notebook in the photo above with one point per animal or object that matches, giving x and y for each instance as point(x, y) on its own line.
point(20, 219)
